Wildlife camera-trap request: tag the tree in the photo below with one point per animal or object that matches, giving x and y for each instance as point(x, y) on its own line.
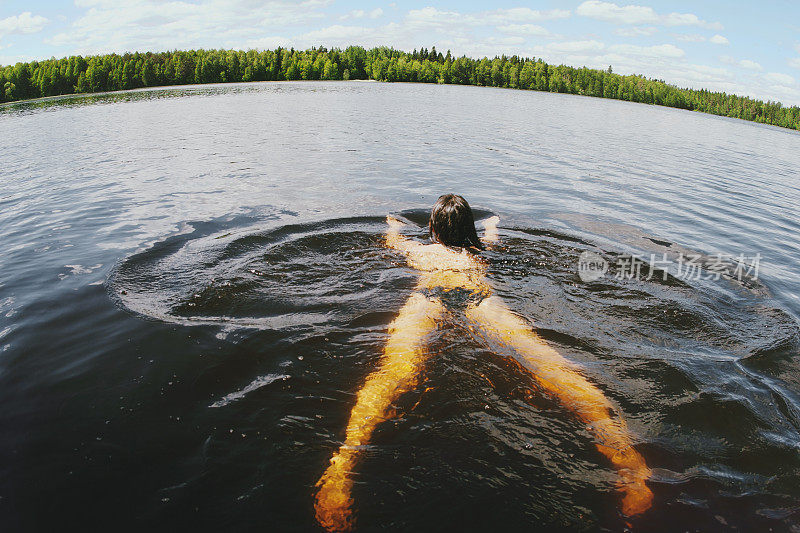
point(497, 74)
point(331, 71)
point(148, 73)
point(527, 77)
point(9, 91)
point(82, 86)
point(129, 71)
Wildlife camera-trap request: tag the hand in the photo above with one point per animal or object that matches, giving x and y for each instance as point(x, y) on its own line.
point(490, 234)
point(393, 222)
point(491, 222)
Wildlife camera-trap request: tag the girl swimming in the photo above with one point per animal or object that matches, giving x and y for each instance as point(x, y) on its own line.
point(450, 265)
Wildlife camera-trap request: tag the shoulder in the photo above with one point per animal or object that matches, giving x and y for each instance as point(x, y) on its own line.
point(439, 257)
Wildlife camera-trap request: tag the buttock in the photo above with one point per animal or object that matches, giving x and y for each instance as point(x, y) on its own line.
point(456, 298)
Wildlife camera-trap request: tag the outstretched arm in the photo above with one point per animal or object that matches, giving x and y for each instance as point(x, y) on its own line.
point(561, 378)
point(402, 361)
point(397, 241)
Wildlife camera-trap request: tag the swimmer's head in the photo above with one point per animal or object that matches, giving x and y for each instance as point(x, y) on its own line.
point(452, 223)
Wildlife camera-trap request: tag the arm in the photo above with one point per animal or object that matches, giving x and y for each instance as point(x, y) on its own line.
point(561, 378)
point(397, 241)
point(402, 361)
point(490, 234)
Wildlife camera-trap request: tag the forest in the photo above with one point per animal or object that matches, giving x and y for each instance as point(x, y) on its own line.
point(115, 72)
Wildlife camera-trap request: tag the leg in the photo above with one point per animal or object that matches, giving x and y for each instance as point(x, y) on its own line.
point(402, 361)
point(560, 377)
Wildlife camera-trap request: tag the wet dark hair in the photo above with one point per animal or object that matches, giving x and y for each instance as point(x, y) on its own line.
point(452, 223)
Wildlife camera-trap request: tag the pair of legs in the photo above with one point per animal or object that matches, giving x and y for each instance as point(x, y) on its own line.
point(403, 360)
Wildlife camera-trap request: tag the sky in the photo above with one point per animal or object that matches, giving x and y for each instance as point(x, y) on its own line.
point(737, 46)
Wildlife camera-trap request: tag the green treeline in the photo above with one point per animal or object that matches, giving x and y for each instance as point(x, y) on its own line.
point(114, 72)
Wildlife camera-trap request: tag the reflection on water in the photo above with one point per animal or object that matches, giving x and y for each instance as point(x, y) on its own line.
point(194, 287)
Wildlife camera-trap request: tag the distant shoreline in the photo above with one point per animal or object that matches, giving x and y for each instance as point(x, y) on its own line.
point(42, 80)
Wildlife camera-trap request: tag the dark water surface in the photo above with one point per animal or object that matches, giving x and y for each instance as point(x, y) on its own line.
point(193, 288)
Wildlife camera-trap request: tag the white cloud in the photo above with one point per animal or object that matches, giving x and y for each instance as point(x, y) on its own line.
point(748, 64)
point(520, 14)
point(620, 50)
point(266, 43)
point(360, 14)
point(14, 59)
point(633, 14)
point(402, 36)
point(609, 12)
point(21, 24)
point(430, 16)
point(505, 41)
point(794, 61)
point(703, 77)
point(117, 25)
point(355, 14)
point(338, 34)
point(778, 78)
point(524, 29)
point(660, 50)
point(705, 72)
point(433, 17)
point(689, 38)
point(719, 39)
point(636, 31)
point(576, 46)
point(688, 19)
point(596, 54)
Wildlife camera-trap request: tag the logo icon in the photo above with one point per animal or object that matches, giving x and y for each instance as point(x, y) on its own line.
point(591, 266)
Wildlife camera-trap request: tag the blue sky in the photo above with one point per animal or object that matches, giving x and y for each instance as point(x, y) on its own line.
point(737, 46)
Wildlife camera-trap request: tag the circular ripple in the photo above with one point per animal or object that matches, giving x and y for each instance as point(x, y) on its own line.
point(297, 274)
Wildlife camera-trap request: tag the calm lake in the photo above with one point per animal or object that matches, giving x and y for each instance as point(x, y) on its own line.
point(193, 287)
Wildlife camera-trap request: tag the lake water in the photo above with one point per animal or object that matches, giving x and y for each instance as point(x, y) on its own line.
point(193, 288)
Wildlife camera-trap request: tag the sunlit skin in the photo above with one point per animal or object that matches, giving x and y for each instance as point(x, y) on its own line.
point(444, 268)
